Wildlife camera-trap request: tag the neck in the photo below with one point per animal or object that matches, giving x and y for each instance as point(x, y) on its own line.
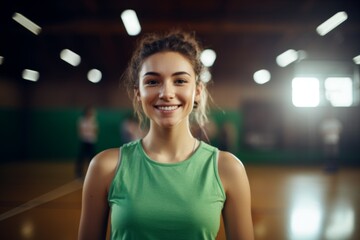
point(169, 145)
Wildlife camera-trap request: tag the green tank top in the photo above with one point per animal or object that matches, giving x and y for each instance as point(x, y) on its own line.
point(155, 201)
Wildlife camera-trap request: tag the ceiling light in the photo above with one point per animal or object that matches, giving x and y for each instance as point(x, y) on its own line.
point(30, 75)
point(131, 22)
point(94, 76)
point(70, 57)
point(1, 59)
point(205, 76)
point(287, 57)
point(357, 59)
point(26, 23)
point(262, 76)
point(331, 23)
point(208, 57)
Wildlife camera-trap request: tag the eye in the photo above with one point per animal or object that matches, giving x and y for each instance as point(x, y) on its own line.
point(180, 81)
point(151, 82)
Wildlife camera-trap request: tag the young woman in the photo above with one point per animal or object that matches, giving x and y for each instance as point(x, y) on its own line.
point(167, 185)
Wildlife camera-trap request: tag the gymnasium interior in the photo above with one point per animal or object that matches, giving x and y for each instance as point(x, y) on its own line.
point(277, 73)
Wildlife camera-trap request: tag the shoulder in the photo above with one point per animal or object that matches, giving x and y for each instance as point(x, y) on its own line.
point(237, 209)
point(229, 163)
point(231, 169)
point(103, 166)
point(106, 159)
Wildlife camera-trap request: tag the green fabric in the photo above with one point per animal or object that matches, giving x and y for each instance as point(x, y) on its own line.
point(155, 201)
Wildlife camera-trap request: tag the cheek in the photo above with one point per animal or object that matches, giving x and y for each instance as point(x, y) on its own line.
point(190, 93)
point(146, 94)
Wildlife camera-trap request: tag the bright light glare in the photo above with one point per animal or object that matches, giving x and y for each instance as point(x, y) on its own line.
point(26, 23)
point(339, 91)
point(205, 76)
point(70, 57)
point(131, 22)
point(306, 200)
point(262, 76)
point(208, 57)
point(287, 57)
point(357, 59)
point(331, 23)
point(94, 76)
point(27, 230)
point(301, 55)
point(1, 59)
point(342, 224)
point(305, 221)
point(30, 75)
point(305, 92)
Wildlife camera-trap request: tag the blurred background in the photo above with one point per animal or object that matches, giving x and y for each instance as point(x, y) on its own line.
point(277, 75)
point(246, 36)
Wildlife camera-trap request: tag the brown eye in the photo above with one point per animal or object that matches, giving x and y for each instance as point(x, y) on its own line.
point(180, 81)
point(151, 82)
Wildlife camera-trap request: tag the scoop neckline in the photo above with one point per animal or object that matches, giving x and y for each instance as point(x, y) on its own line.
point(152, 161)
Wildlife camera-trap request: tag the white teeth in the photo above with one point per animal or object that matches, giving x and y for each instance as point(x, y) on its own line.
point(167, 108)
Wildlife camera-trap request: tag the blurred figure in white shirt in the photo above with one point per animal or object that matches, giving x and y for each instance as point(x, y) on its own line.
point(331, 128)
point(88, 133)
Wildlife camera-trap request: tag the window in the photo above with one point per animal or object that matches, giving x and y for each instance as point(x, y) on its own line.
point(338, 91)
point(311, 92)
point(305, 92)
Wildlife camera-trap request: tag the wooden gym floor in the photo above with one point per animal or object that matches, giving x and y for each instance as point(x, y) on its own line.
point(42, 200)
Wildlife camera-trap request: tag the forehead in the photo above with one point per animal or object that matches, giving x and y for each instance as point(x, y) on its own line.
point(166, 63)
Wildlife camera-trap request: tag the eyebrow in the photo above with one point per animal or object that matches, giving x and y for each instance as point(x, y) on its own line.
point(158, 74)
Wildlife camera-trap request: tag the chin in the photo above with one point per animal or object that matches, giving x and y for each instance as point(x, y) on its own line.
point(168, 123)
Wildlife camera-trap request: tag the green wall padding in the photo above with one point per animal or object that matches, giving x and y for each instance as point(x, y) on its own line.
point(51, 134)
point(11, 135)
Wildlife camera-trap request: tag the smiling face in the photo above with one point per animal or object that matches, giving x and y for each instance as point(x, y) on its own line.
point(167, 89)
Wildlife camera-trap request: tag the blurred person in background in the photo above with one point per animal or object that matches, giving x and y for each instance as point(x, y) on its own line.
point(87, 127)
point(227, 136)
point(168, 184)
point(130, 130)
point(331, 128)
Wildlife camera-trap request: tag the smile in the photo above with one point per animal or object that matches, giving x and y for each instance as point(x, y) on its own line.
point(167, 108)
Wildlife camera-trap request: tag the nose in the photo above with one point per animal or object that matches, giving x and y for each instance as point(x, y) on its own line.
point(166, 91)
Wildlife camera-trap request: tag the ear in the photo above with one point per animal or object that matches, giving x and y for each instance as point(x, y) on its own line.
point(137, 94)
point(198, 91)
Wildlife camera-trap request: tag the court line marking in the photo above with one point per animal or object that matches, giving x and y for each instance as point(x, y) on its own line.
point(47, 197)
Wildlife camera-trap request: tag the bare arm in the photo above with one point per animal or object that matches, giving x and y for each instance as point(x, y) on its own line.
point(237, 209)
point(95, 208)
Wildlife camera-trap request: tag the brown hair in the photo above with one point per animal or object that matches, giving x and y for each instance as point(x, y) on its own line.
point(175, 41)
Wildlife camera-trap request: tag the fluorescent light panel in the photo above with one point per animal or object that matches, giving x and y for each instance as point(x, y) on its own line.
point(30, 75)
point(27, 23)
point(287, 57)
point(70, 57)
point(131, 22)
point(331, 23)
